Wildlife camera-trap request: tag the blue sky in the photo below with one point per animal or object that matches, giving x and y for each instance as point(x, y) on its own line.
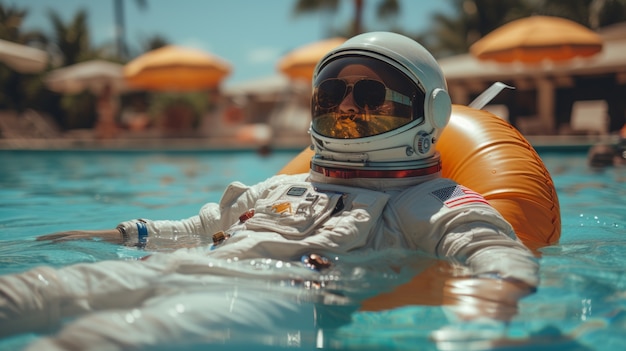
point(251, 34)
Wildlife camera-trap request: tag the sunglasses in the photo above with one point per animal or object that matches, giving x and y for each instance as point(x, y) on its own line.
point(367, 93)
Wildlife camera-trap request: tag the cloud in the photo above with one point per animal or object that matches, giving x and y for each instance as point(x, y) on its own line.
point(195, 43)
point(263, 55)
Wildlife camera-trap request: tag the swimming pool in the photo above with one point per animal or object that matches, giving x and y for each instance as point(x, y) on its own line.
point(580, 304)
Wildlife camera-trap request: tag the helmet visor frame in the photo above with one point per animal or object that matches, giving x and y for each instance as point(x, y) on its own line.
point(383, 100)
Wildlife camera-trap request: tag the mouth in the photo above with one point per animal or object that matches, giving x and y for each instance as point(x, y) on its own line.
point(346, 126)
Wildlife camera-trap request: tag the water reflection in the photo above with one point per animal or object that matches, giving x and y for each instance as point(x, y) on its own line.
point(197, 300)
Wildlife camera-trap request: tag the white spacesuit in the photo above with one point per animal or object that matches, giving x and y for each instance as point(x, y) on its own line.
point(292, 215)
point(379, 105)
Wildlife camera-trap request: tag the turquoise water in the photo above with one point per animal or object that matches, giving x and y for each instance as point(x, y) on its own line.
point(49, 191)
point(580, 304)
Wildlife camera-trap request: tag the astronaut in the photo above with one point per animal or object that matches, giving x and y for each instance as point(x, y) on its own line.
point(379, 105)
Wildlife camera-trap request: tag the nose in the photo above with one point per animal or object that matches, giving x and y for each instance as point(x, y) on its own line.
point(348, 105)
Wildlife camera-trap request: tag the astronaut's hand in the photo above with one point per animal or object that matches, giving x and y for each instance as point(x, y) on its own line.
point(475, 298)
point(315, 262)
point(109, 235)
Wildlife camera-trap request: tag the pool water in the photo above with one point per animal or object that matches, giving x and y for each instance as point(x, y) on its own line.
point(580, 304)
point(46, 192)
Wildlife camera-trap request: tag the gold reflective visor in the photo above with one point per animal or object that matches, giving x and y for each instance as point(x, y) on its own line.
point(341, 126)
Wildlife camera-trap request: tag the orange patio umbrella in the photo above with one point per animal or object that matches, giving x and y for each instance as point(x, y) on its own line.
point(176, 68)
point(300, 62)
point(538, 38)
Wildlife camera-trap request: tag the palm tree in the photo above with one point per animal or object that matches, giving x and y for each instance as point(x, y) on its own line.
point(591, 13)
point(17, 91)
point(11, 19)
point(72, 38)
point(154, 42)
point(471, 20)
point(385, 9)
point(10, 22)
point(120, 26)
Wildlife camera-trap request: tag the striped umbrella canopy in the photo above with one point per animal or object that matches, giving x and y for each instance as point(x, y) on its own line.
point(536, 39)
point(176, 68)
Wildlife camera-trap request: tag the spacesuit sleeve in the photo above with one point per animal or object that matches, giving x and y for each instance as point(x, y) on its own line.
point(484, 246)
point(37, 300)
point(453, 222)
point(198, 229)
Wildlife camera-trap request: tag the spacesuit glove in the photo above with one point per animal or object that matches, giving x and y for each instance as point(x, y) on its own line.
point(315, 262)
point(484, 297)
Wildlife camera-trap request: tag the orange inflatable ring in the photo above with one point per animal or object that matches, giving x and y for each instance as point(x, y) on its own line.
point(487, 154)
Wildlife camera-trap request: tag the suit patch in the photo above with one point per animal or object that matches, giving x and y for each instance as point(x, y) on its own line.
point(458, 195)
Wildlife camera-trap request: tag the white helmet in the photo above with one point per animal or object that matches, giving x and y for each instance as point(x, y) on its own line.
point(398, 121)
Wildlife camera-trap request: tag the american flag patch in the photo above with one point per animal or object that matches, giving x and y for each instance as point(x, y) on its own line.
point(458, 195)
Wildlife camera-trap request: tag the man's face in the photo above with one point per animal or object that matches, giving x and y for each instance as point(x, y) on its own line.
point(357, 103)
